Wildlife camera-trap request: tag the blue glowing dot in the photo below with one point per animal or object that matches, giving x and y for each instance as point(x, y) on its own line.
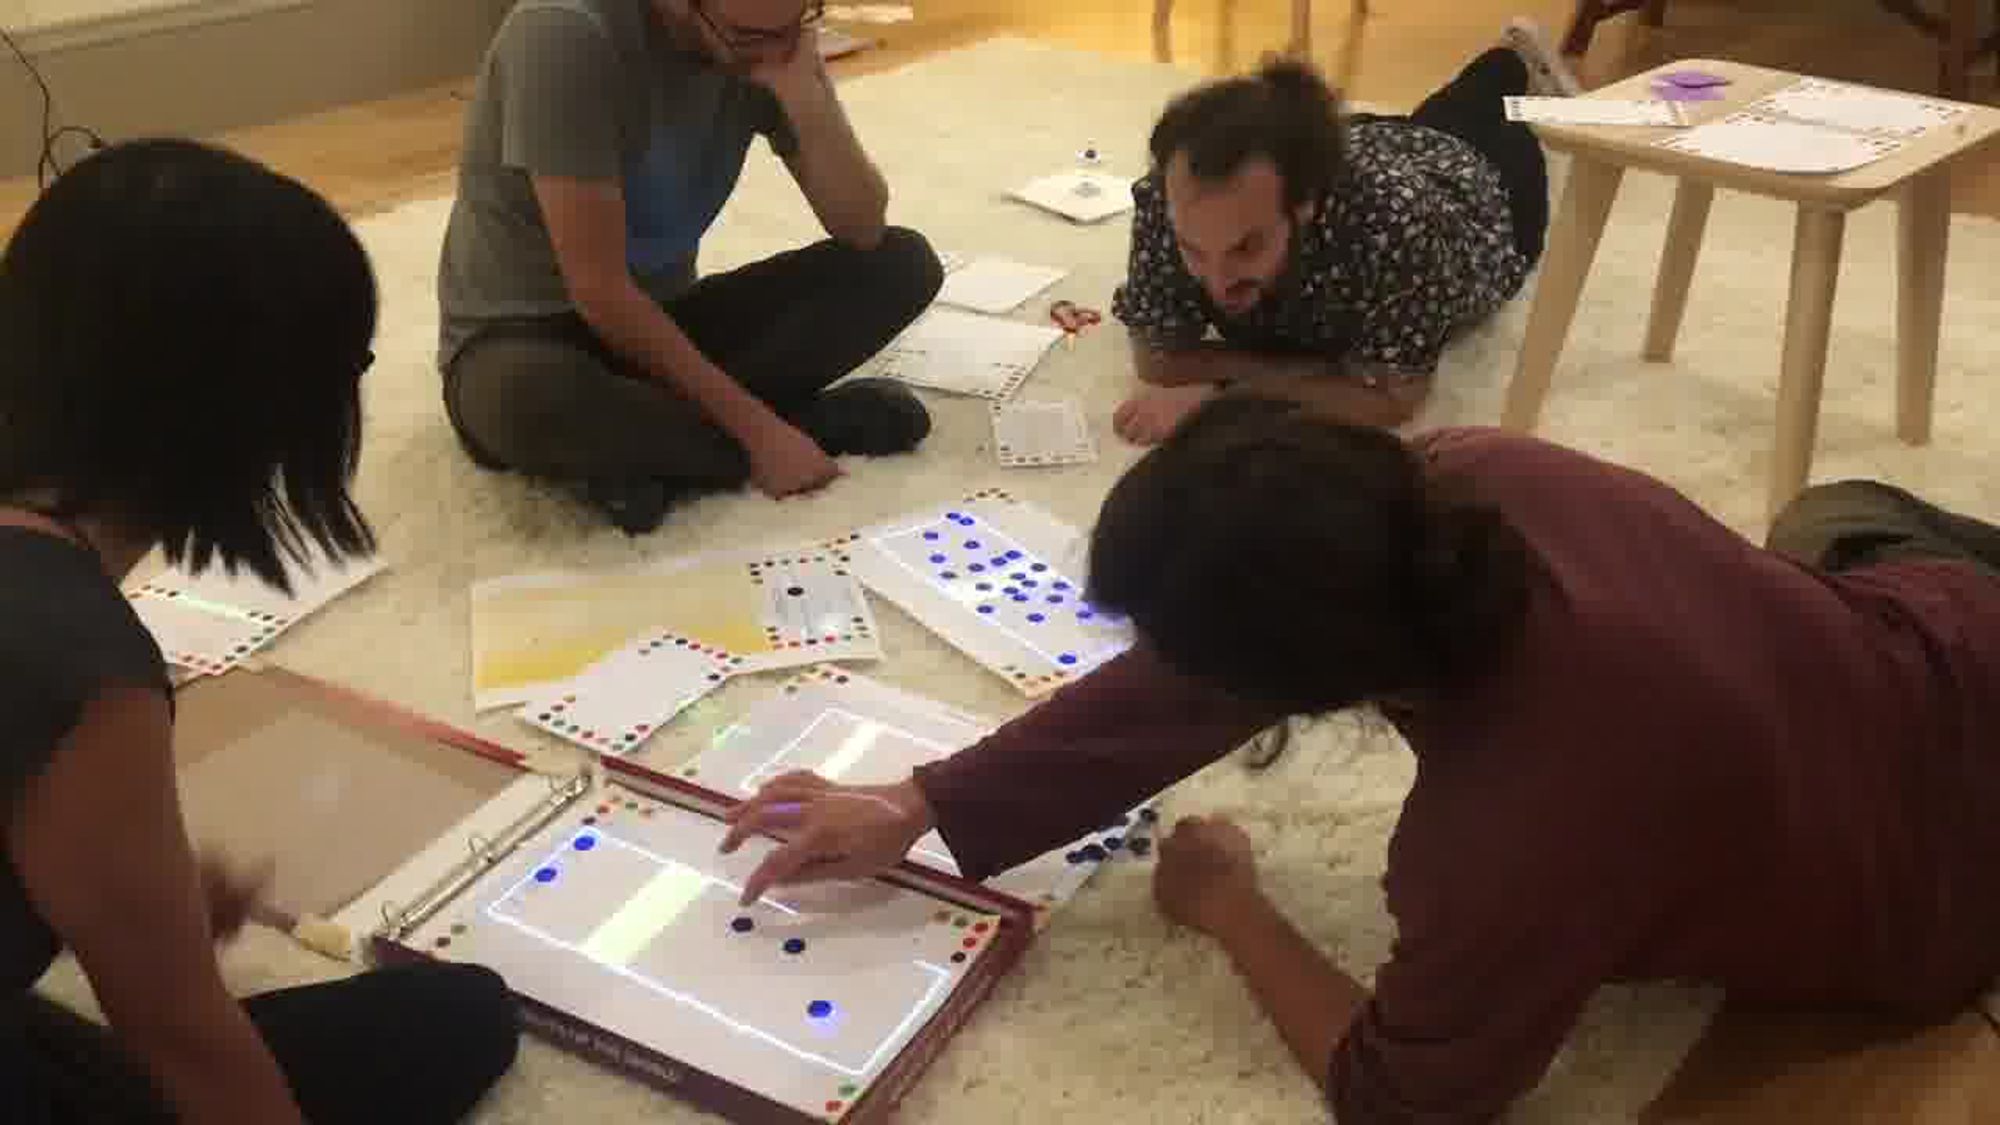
point(546, 875)
point(1013, 554)
point(1029, 583)
point(1095, 853)
point(1073, 857)
point(1061, 585)
point(930, 535)
point(742, 925)
point(1066, 658)
point(1055, 599)
point(1010, 591)
point(972, 544)
point(999, 561)
point(1018, 577)
point(1036, 618)
point(953, 516)
point(1113, 843)
point(819, 1009)
point(795, 945)
point(947, 575)
point(1084, 615)
point(986, 609)
point(585, 843)
point(1039, 567)
point(965, 521)
point(937, 558)
point(1020, 597)
point(976, 567)
point(984, 586)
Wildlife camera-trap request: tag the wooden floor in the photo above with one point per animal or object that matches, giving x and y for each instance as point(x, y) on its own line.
point(369, 156)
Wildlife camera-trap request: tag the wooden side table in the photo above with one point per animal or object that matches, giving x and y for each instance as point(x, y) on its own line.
point(1918, 175)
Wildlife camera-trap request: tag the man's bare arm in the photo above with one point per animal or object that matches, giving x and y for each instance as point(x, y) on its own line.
point(586, 222)
point(1363, 396)
point(847, 193)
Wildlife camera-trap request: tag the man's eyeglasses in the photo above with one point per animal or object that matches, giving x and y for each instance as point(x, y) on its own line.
point(735, 36)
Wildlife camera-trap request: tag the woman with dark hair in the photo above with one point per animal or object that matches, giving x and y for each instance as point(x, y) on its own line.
point(1647, 749)
point(182, 339)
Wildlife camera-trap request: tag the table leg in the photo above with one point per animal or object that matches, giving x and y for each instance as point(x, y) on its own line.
point(1670, 292)
point(1302, 28)
point(1808, 323)
point(1572, 245)
point(1924, 241)
point(1163, 30)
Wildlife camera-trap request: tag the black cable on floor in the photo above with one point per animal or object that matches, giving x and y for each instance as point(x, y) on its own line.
point(48, 165)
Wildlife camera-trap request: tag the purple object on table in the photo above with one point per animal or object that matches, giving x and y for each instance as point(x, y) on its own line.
point(1670, 92)
point(1691, 79)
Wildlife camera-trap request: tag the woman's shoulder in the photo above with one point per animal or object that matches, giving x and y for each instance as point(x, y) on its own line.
point(66, 635)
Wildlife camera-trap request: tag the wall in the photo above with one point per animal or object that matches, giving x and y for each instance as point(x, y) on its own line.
point(197, 69)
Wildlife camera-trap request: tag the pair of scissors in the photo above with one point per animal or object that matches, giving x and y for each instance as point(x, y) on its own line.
point(1073, 318)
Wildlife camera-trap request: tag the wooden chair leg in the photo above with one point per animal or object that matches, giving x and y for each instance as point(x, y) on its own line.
point(1350, 52)
point(1808, 323)
point(1670, 292)
point(1163, 30)
point(1572, 245)
point(1302, 22)
point(1923, 242)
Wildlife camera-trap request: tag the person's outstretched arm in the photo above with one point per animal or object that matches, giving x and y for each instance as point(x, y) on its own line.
point(1081, 759)
point(99, 844)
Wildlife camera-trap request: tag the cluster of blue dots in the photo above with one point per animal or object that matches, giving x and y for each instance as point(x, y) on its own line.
point(1026, 583)
point(1102, 850)
point(818, 1009)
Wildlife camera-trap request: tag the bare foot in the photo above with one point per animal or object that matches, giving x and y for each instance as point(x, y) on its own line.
point(1150, 416)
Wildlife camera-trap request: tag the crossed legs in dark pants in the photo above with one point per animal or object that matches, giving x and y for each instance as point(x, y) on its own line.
point(549, 399)
point(418, 1044)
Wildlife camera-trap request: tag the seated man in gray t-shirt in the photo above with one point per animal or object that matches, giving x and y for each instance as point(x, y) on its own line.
point(577, 345)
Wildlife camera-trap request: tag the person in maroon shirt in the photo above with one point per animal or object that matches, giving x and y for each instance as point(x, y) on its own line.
point(1647, 748)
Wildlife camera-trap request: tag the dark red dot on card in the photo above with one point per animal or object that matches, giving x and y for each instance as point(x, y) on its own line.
point(970, 943)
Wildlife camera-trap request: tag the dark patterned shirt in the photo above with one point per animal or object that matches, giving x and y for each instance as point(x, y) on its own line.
point(1414, 244)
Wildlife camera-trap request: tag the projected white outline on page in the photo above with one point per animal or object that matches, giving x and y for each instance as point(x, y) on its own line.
point(939, 975)
point(756, 777)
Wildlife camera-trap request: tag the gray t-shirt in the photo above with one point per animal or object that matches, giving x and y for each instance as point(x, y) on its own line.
point(590, 90)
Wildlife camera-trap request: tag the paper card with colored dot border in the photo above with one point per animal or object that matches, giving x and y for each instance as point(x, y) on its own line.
point(967, 353)
point(849, 728)
point(533, 631)
point(1042, 434)
point(998, 579)
point(314, 585)
point(617, 704)
point(201, 637)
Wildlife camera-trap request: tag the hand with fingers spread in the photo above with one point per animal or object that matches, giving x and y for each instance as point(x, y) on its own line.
point(829, 831)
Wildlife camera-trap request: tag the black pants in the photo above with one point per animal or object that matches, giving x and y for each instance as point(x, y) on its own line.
point(417, 1045)
point(1858, 523)
point(548, 398)
point(1470, 108)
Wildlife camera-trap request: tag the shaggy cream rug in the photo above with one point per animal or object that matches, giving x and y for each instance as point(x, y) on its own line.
point(1113, 1015)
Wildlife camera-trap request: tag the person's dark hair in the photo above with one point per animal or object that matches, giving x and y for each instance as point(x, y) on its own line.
point(182, 338)
point(1306, 563)
point(1285, 112)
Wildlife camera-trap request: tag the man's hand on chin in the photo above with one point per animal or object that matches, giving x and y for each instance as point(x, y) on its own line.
point(1152, 415)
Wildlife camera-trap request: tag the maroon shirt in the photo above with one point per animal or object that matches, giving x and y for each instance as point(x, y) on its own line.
point(1702, 762)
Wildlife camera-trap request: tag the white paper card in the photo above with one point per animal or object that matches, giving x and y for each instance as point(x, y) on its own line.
point(968, 354)
point(618, 703)
point(996, 285)
point(1858, 108)
point(1083, 197)
point(1592, 111)
point(312, 587)
point(206, 638)
point(1037, 434)
point(1756, 141)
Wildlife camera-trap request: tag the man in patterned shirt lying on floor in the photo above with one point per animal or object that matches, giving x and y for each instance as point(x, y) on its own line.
point(1281, 248)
